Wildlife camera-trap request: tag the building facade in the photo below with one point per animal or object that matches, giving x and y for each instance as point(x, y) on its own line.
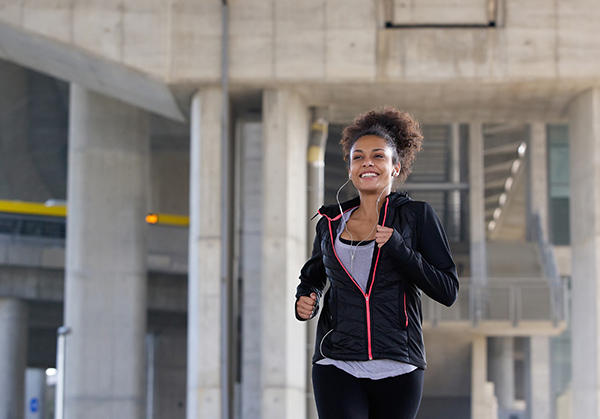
point(229, 112)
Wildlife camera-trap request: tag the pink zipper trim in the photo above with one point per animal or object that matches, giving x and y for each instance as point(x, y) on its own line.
point(368, 295)
point(405, 313)
point(337, 217)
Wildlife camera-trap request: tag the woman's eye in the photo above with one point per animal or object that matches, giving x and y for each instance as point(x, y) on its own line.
point(356, 157)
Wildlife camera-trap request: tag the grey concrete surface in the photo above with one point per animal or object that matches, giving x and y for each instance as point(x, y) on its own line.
point(105, 286)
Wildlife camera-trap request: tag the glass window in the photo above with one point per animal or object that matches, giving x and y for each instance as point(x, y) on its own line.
point(558, 183)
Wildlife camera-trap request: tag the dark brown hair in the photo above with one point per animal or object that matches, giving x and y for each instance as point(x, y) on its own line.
point(399, 129)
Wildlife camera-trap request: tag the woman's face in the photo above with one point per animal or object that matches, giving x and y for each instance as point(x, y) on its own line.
point(371, 164)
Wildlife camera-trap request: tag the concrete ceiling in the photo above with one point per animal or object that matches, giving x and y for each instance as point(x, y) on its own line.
point(523, 101)
point(69, 63)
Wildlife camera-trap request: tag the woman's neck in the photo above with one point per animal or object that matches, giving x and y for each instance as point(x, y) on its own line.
point(370, 204)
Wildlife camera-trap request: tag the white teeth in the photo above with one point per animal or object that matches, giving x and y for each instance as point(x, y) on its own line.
point(368, 175)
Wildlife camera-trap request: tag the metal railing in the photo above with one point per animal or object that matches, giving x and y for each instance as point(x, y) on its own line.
point(512, 300)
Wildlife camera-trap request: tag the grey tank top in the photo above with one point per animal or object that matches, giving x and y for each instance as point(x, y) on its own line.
point(357, 259)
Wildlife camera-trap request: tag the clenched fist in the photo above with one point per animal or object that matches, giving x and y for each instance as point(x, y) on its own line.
point(305, 306)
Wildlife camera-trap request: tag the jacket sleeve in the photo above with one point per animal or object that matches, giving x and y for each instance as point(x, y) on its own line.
point(312, 277)
point(430, 267)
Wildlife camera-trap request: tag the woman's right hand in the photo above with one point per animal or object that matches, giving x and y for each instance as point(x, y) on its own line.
point(305, 306)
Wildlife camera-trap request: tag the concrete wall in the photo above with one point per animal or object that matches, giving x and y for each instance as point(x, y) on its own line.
point(321, 41)
point(19, 177)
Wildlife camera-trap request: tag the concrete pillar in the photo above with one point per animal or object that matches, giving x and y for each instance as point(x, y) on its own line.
point(482, 397)
point(204, 378)
point(538, 393)
point(478, 252)
point(502, 371)
point(105, 269)
point(316, 194)
point(285, 137)
point(584, 148)
point(540, 398)
point(538, 173)
point(13, 357)
point(249, 141)
point(454, 198)
point(483, 401)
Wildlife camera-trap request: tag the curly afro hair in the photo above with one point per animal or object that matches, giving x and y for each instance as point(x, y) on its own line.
point(399, 129)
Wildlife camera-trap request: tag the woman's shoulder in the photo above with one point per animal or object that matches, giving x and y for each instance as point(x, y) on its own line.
point(402, 200)
point(416, 209)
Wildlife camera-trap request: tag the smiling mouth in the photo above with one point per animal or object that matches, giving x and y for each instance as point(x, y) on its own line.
point(368, 175)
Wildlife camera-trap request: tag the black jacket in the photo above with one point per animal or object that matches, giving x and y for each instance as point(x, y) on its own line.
point(384, 322)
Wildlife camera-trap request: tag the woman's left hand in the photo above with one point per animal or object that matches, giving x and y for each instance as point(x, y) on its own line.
point(383, 235)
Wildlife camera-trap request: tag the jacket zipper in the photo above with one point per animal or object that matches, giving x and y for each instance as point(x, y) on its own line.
point(365, 295)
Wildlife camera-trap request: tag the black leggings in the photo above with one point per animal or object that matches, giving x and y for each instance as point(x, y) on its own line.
point(339, 395)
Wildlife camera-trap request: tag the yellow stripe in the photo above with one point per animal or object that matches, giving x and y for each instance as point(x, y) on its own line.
point(33, 208)
point(38, 208)
point(168, 219)
point(319, 127)
point(315, 153)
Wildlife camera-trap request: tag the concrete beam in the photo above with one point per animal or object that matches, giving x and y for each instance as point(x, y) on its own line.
point(69, 63)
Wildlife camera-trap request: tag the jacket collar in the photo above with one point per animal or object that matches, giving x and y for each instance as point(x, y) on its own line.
point(333, 211)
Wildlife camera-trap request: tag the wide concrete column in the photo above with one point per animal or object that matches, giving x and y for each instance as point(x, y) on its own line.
point(204, 379)
point(105, 285)
point(13, 357)
point(502, 372)
point(285, 137)
point(584, 149)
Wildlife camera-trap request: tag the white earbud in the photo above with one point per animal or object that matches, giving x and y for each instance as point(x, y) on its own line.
point(349, 175)
point(395, 173)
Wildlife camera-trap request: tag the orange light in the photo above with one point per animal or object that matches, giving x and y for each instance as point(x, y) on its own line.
point(152, 218)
